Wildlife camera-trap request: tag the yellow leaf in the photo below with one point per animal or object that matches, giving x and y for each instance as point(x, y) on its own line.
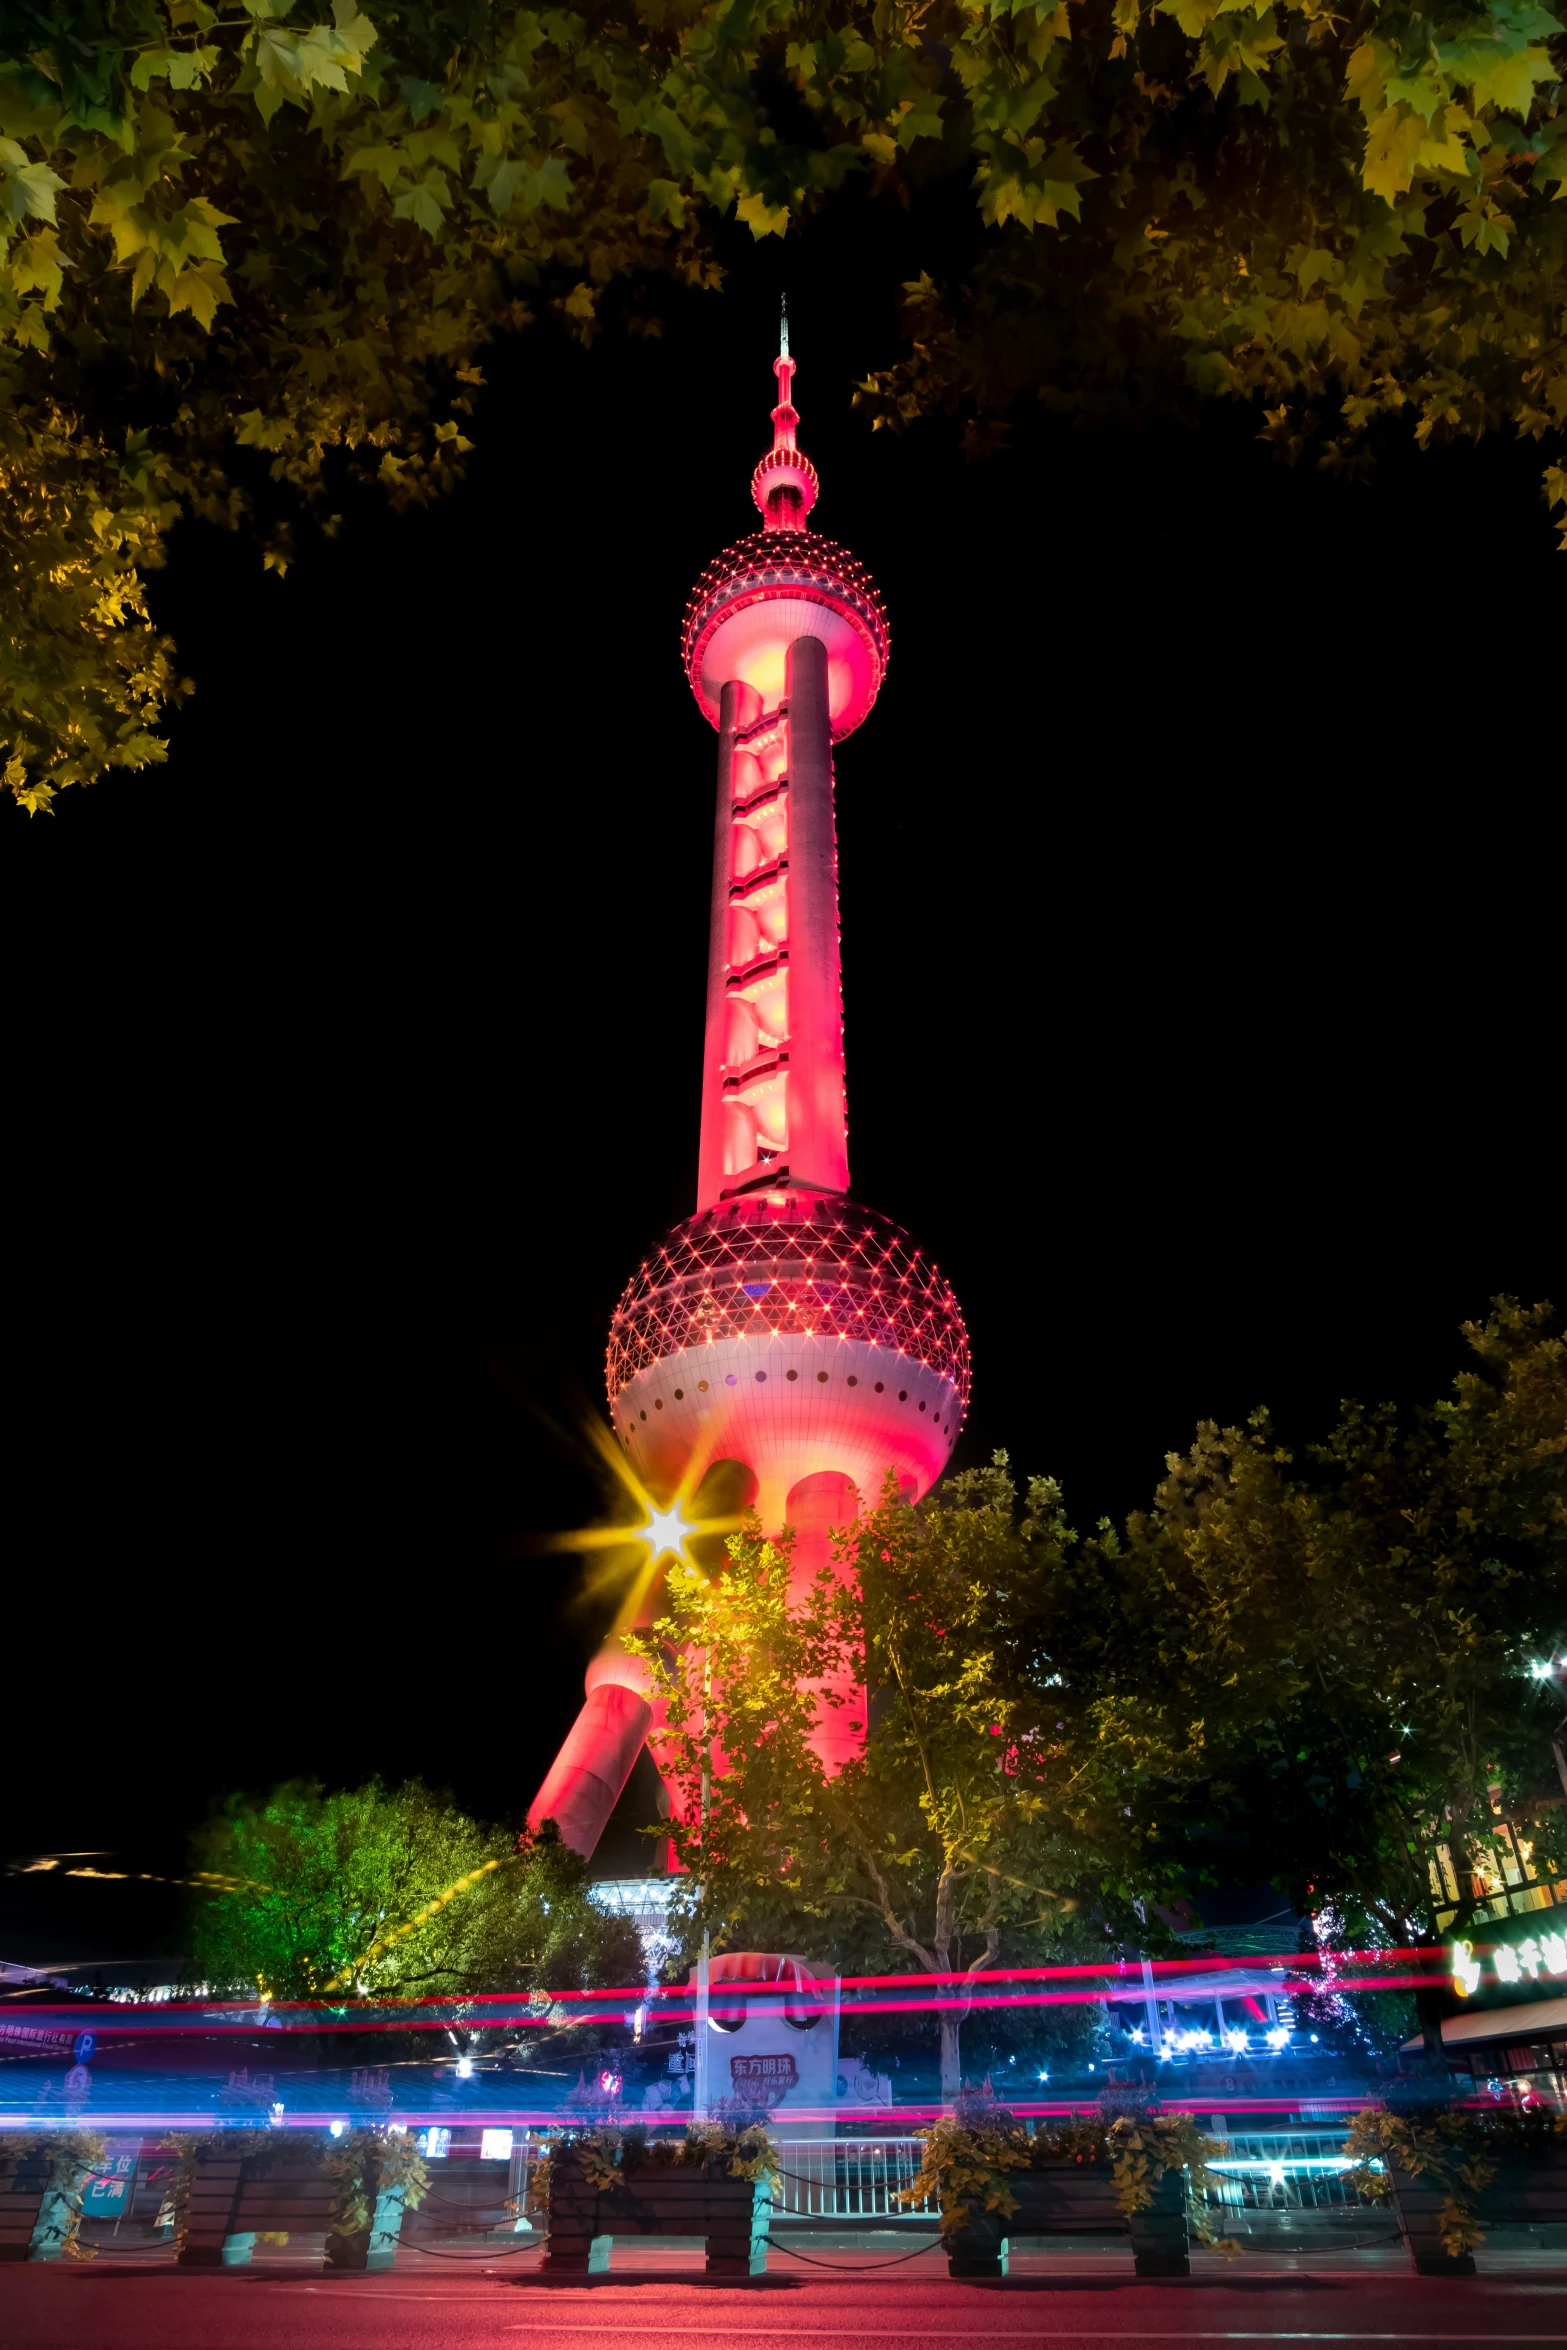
point(761, 218)
point(1365, 77)
point(1392, 143)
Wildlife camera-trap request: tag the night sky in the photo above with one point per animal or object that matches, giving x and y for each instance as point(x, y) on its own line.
point(1202, 920)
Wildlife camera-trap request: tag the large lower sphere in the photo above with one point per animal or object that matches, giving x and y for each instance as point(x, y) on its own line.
point(796, 1333)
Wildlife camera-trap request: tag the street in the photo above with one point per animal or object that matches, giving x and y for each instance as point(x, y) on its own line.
point(139, 2305)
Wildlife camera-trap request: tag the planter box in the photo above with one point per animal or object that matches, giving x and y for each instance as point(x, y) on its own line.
point(233, 2200)
point(1067, 2198)
point(731, 2215)
point(1525, 2193)
point(22, 2185)
point(35, 2218)
point(373, 2247)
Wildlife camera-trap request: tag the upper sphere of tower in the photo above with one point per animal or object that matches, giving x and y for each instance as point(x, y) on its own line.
point(762, 593)
point(784, 583)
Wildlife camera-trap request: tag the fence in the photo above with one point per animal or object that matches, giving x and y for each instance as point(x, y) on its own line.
point(1296, 2170)
point(861, 2179)
point(850, 2179)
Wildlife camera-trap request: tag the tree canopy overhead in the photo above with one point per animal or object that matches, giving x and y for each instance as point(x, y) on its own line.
point(243, 228)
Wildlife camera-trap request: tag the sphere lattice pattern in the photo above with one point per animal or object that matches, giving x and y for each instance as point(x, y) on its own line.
point(796, 1263)
point(778, 563)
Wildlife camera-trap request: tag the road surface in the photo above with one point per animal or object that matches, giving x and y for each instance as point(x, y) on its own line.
point(148, 2305)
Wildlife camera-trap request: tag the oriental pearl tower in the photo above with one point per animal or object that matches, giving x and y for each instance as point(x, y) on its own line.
point(784, 1327)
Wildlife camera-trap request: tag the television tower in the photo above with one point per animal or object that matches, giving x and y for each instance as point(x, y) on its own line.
point(783, 1327)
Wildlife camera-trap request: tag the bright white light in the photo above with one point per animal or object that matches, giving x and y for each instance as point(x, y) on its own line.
point(465, 2068)
point(1466, 1969)
point(1278, 2037)
point(1542, 1672)
point(1044, 2076)
point(337, 2128)
point(495, 2145)
point(1313, 2039)
point(1136, 2033)
point(1164, 2055)
point(1236, 2041)
point(1090, 2068)
point(665, 1530)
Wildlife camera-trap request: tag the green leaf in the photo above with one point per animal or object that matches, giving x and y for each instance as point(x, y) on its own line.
point(420, 98)
point(919, 118)
point(1497, 78)
point(26, 189)
point(427, 204)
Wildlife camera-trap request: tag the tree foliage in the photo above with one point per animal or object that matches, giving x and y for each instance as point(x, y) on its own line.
point(246, 229)
point(989, 1816)
point(1318, 1667)
point(392, 1890)
point(1351, 1632)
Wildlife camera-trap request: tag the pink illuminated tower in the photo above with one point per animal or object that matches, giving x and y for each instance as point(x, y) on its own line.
point(783, 1327)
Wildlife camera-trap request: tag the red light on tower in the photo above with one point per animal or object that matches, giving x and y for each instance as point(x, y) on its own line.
point(783, 1327)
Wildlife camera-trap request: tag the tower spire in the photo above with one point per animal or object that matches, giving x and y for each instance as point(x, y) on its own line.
point(785, 483)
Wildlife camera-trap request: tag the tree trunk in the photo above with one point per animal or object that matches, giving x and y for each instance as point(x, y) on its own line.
point(951, 2063)
point(1430, 2001)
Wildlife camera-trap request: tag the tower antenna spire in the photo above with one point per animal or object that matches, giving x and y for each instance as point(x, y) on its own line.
point(784, 484)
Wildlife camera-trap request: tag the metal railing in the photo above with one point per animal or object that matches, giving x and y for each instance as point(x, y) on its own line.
point(850, 2179)
point(1294, 2170)
point(862, 2178)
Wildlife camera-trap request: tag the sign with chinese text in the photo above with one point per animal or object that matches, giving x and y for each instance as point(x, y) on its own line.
point(1536, 1957)
point(771, 2073)
point(107, 2193)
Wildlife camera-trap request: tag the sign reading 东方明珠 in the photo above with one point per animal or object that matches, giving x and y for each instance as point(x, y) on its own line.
point(774, 2072)
point(1526, 1961)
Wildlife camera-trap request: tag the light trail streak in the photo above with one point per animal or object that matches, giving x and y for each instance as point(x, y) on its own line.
point(1106, 1980)
point(149, 2021)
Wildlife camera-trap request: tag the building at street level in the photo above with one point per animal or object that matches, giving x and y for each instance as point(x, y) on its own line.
point(784, 1327)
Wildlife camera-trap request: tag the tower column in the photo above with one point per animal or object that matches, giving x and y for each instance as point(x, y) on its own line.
point(739, 705)
point(818, 1138)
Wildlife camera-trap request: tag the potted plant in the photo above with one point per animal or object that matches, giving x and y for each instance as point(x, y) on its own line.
point(42, 2180)
point(1133, 2175)
point(715, 2182)
point(378, 2173)
point(1450, 2173)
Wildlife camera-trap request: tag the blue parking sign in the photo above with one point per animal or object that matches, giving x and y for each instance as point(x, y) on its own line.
point(86, 2044)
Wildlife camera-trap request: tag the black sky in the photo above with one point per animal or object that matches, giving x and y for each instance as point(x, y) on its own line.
point(1201, 896)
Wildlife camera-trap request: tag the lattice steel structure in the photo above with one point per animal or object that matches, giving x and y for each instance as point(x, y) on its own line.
point(811, 1268)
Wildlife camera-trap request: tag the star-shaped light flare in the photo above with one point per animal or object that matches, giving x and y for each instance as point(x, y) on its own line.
point(662, 1534)
point(666, 1530)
